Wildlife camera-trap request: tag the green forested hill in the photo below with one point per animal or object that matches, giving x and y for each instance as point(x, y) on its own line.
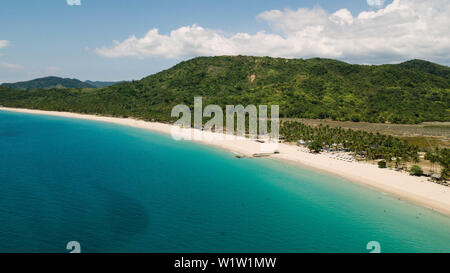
point(49, 82)
point(410, 92)
point(99, 83)
point(427, 67)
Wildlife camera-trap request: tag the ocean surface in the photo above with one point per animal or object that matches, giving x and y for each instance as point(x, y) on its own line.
point(121, 189)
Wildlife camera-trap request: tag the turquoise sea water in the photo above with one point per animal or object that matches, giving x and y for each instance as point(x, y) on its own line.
point(120, 189)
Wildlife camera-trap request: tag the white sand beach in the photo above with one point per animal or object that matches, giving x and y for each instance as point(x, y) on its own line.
point(414, 189)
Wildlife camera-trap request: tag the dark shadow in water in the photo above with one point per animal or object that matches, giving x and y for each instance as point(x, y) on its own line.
point(10, 133)
point(125, 218)
point(126, 215)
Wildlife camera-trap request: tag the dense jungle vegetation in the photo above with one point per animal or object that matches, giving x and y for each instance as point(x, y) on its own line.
point(410, 92)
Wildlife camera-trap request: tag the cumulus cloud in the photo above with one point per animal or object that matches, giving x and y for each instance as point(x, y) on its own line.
point(3, 43)
point(375, 3)
point(403, 29)
point(74, 2)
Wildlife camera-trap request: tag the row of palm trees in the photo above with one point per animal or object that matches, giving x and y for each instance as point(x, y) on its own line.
point(441, 157)
point(368, 145)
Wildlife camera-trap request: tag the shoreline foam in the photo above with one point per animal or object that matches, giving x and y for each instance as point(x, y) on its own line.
point(414, 189)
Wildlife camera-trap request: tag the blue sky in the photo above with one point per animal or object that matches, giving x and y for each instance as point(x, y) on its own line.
point(42, 38)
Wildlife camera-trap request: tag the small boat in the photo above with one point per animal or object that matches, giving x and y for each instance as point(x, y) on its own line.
point(261, 154)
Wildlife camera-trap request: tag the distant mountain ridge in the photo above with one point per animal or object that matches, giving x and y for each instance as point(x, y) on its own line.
point(56, 82)
point(100, 84)
point(409, 92)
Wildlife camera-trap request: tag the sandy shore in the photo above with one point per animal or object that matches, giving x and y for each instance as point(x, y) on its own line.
point(415, 189)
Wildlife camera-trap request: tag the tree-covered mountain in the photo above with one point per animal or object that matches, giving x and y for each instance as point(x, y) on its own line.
point(427, 67)
point(49, 82)
point(56, 82)
point(410, 92)
point(99, 83)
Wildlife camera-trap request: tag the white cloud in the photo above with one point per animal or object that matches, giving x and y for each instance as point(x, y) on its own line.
point(403, 29)
point(74, 2)
point(3, 43)
point(5, 65)
point(375, 3)
point(10, 67)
